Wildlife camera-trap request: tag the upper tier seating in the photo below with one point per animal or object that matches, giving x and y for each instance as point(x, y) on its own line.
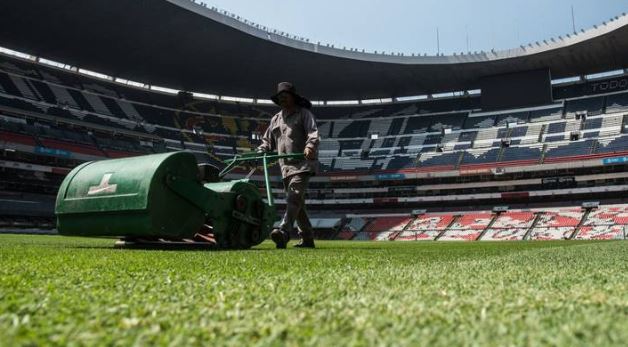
point(17, 138)
point(438, 159)
point(546, 115)
point(479, 122)
point(610, 145)
point(521, 153)
point(480, 156)
point(568, 149)
point(617, 103)
point(515, 117)
point(591, 105)
point(437, 136)
point(351, 128)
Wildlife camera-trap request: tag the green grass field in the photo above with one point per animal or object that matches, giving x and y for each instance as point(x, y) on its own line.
point(68, 291)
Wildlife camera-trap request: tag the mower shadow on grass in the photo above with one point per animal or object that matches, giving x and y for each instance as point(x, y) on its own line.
point(207, 248)
point(191, 248)
point(172, 247)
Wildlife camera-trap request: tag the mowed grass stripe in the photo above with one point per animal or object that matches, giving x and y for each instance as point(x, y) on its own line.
point(62, 291)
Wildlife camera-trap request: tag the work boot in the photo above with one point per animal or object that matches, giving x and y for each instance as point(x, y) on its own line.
point(307, 240)
point(305, 243)
point(280, 238)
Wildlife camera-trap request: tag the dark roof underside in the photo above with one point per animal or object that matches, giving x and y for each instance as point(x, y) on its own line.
point(160, 43)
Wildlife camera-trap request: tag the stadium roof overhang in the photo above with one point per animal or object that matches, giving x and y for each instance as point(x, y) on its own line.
point(183, 45)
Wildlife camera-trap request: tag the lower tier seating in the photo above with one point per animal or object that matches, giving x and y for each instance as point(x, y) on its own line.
point(608, 215)
point(460, 235)
point(390, 224)
point(504, 234)
point(473, 221)
point(602, 232)
point(603, 223)
point(431, 222)
point(514, 219)
point(560, 218)
point(552, 233)
point(418, 235)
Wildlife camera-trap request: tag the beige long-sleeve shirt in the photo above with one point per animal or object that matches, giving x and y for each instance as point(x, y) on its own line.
point(292, 133)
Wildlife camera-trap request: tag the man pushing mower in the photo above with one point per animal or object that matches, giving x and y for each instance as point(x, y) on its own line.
point(293, 130)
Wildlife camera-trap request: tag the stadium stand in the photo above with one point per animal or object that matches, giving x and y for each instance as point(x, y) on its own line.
point(605, 223)
point(467, 227)
point(59, 115)
point(556, 224)
point(602, 232)
point(385, 228)
point(104, 105)
point(509, 226)
point(426, 227)
point(504, 234)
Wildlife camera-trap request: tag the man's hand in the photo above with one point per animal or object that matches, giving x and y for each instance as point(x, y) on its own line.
point(309, 154)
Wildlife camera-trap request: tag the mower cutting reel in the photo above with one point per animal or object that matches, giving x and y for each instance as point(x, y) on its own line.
point(160, 200)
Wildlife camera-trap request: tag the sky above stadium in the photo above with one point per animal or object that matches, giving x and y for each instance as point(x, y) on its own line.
point(410, 26)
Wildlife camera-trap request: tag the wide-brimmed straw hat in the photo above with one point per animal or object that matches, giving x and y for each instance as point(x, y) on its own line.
point(287, 87)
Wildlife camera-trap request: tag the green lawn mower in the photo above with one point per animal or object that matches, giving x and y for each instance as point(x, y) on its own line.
point(167, 200)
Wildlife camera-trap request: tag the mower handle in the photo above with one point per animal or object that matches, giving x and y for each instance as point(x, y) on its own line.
point(265, 157)
point(254, 156)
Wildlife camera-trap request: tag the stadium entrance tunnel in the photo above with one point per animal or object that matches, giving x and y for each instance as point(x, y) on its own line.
point(161, 200)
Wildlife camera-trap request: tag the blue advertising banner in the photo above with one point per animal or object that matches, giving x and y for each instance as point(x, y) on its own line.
point(53, 151)
point(390, 177)
point(616, 160)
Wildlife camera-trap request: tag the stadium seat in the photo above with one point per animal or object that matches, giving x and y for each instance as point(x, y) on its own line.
point(473, 221)
point(504, 234)
point(601, 232)
point(559, 218)
point(391, 224)
point(514, 219)
point(460, 235)
point(425, 222)
point(467, 227)
point(552, 233)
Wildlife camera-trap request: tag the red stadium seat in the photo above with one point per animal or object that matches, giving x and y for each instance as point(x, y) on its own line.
point(460, 235)
point(601, 232)
point(84, 149)
point(514, 219)
point(504, 234)
point(17, 138)
point(560, 218)
point(431, 222)
point(552, 233)
point(387, 224)
point(473, 221)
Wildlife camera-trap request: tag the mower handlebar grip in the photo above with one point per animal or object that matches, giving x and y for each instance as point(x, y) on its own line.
point(254, 156)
